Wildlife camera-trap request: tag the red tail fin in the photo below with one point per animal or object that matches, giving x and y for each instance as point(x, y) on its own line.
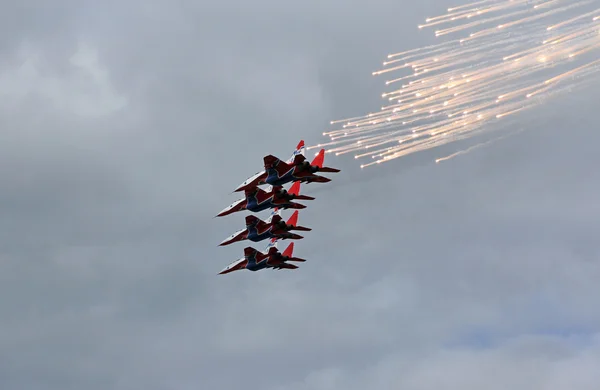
point(299, 151)
point(289, 250)
point(293, 221)
point(294, 189)
point(319, 159)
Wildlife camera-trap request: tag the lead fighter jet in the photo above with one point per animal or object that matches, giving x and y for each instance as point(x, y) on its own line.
point(258, 200)
point(254, 260)
point(259, 178)
point(279, 172)
point(257, 230)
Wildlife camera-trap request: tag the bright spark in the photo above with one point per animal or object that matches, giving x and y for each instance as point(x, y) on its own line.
point(512, 55)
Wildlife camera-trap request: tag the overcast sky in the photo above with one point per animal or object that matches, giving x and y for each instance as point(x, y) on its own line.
point(125, 126)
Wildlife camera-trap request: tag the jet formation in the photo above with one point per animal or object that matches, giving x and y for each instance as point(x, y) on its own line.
point(276, 173)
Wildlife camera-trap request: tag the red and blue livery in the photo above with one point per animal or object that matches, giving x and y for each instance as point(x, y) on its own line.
point(254, 260)
point(257, 230)
point(257, 200)
point(259, 178)
point(276, 173)
point(299, 170)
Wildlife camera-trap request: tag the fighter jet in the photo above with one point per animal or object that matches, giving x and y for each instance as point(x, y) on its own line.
point(259, 178)
point(299, 170)
point(254, 260)
point(257, 230)
point(258, 200)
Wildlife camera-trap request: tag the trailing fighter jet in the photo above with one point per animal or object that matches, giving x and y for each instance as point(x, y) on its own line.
point(259, 177)
point(257, 230)
point(254, 260)
point(258, 200)
point(299, 170)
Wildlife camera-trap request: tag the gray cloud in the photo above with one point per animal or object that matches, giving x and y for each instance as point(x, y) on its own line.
point(125, 129)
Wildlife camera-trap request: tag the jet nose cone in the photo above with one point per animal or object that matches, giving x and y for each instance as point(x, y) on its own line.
point(226, 242)
point(238, 205)
point(240, 264)
point(228, 270)
point(247, 184)
point(226, 211)
point(235, 237)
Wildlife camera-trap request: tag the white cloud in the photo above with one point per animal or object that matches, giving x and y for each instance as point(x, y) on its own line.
point(525, 362)
point(84, 89)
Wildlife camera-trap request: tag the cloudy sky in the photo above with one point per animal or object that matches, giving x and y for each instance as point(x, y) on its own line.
point(125, 126)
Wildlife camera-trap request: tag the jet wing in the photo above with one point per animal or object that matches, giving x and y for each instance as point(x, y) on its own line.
point(254, 222)
point(271, 161)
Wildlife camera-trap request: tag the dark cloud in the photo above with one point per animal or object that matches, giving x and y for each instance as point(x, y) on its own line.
point(125, 130)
